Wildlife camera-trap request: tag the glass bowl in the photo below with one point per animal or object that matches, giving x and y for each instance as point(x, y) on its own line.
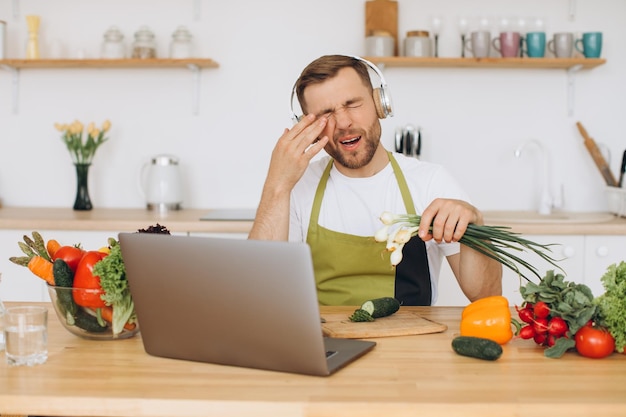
point(84, 321)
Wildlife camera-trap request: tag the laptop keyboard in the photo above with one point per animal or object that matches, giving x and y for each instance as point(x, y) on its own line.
point(330, 353)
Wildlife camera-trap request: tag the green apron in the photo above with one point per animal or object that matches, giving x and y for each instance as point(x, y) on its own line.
point(351, 269)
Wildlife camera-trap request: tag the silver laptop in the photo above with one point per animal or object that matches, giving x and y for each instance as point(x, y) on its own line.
point(234, 302)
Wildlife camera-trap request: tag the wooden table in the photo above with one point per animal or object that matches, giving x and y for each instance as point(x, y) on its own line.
point(402, 376)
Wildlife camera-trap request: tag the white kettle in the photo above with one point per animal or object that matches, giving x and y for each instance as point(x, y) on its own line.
point(160, 183)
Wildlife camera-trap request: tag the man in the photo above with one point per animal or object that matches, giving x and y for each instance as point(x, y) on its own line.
point(334, 202)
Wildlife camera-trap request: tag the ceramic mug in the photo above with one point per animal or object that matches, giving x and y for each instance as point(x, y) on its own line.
point(590, 45)
point(507, 44)
point(535, 44)
point(562, 45)
point(479, 43)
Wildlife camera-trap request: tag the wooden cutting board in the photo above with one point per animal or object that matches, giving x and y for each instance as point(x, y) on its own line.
point(382, 15)
point(402, 323)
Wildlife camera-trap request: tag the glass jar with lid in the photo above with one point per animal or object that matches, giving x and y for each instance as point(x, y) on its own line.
point(113, 44)
point(144, 46)
point(417, 43)
point(181, 46)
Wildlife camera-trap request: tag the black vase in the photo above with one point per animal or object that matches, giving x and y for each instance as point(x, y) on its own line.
point(82, 202)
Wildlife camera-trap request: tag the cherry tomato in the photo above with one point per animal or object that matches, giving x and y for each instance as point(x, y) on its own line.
point(70, 254)
point(594, 342)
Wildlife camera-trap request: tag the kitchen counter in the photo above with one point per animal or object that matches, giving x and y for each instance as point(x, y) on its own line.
point(402, 376)
point(114, 219)
point(188, 220)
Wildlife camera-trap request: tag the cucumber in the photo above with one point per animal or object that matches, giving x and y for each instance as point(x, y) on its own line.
point(64, 278)
point(381, 307)
point(88, 322)
point(477, 347)
point(361, 315)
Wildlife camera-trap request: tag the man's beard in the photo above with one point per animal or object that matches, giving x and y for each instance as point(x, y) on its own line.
point(363, 155)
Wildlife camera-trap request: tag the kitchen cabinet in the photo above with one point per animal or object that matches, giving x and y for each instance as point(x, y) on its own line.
point(584, 258)
point(193, 64)
point(600, 252)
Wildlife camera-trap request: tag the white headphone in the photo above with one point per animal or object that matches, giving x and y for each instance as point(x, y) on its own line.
point(382, 98)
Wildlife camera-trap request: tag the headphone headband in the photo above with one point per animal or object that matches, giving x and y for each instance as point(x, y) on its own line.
point(382, 99)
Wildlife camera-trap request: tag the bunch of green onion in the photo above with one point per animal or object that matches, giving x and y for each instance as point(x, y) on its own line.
point(496, 242)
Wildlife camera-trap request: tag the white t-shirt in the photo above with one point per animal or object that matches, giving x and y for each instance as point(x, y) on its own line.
point(354, 205)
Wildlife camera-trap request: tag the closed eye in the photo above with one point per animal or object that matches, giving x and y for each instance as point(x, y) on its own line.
point(350, 104)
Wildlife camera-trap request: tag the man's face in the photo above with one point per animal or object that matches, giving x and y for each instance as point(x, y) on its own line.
point(353, 126)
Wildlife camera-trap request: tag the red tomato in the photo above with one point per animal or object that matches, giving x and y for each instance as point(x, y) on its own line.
point(70, 254)
point(594, 342)
point(85, 280)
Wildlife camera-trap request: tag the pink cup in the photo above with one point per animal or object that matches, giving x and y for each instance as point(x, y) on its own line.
point(507, 44)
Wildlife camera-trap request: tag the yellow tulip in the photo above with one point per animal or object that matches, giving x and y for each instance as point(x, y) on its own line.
point(106, 125)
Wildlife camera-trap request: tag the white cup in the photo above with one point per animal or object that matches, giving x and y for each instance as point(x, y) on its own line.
point(376, 45)
point(26, 335)
point(562, 44)
point(479, 43)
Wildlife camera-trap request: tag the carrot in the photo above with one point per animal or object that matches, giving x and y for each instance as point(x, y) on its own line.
point(52, 246)
point(42, 268)
point(107, 314)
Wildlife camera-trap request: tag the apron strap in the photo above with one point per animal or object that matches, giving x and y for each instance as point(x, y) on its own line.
point(319, 195)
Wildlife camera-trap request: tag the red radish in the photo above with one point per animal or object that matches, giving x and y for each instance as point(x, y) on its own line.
point(557, 326)
point(541, 310)
point(541, 326)
point(540, 338)
point(527, 332)
point(526, 314)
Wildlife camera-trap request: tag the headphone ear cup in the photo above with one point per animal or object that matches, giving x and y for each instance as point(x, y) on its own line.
point(381, 109)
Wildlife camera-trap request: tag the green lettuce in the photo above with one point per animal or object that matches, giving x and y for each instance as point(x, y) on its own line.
point(611, 311)
point(112, 273)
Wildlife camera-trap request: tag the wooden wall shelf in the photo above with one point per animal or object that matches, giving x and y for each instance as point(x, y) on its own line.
point(559, 63)
point(192, 64)
point(109, 63)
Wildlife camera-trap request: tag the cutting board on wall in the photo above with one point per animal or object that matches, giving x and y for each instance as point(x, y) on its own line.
point(382, 15)
point(402, 323)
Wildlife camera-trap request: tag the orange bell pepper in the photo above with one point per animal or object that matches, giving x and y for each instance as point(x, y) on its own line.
point(489, 318)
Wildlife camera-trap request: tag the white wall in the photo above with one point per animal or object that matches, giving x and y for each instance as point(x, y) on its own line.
point(473, 119)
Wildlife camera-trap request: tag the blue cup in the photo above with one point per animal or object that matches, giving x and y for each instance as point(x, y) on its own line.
point(534, 45)
point(590, 45)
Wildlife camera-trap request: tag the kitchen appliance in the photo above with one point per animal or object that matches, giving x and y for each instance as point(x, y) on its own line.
point(161, 183)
